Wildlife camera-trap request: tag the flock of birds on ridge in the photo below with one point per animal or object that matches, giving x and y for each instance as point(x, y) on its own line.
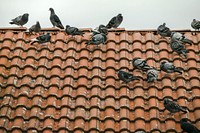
point(177, 41)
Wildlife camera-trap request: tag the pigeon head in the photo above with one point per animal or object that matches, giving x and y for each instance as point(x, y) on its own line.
point(120, 71)
point(166, 100)
point(67, 26)
point(184, 120)
point(162, 63)
point(25, 15)
point(119, 14)
point(134, 59)
point(51, 9)
point(164, 24)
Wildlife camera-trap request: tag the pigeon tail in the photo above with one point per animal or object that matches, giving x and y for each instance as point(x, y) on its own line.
point(60, 26)
point(11, 22)
point(183, 109)
point(135, 78)
point(177, 70)
point(187, 41)
point(108, 26)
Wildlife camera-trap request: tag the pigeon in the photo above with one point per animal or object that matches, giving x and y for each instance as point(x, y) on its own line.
point(178, 47)
point(176, 36)
point(97, 39)
point(55, 19)
point(20, 20)
point(42, 39)
point(152, 75)
point(101, 29)
point(115, 21)
point(73, 31)
point(188, 127)
point(195, 24)
point(140, 64)
point(169, 67)
point(126, 77)
point(163, 30)
point(173, 107)
point(35, 28)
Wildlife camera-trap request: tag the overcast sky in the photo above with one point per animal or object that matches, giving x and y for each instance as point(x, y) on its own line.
point(138, 14)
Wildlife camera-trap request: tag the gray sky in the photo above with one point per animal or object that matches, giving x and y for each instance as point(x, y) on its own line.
point(138, 14)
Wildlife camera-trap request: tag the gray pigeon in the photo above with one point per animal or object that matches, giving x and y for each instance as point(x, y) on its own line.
point(173, 107)
point(188, 127)
point(35, 28)
point(126, 77)
point(176, 36)
point(97, 39)
point(20, 20)
point(42, 39)
point(163, 30)
point(152, 75)
point(140, 64)
point(169, 67)
point(73, 31)
point(101, 29)
point(115, 21)
point(55, 19)
point(195, 24)
point(178, 47)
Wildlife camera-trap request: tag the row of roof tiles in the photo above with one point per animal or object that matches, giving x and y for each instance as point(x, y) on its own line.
point(65, 87)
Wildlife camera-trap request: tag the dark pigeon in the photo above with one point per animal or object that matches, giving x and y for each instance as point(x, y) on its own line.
point(152, 75)
point(195, 24)
point(176, 36)
point(178, 47)
point(140, 64)
point(73, 31)
point(55, 19)
point(169, 67)
point(173, 107)
point(20, 20)
point(115, 21)
point(42, 39)
point(100, 29)
point(35, 28)
point(97, 39)
point(163, 30)
point(126, 77)
point(188, 127)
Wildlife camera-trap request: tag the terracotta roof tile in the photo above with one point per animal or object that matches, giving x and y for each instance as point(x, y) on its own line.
point(64, 87)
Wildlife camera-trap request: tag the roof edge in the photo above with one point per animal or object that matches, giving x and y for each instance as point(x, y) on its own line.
point(88, 29)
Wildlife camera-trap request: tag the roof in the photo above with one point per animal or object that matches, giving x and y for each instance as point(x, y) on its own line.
point(65, 87)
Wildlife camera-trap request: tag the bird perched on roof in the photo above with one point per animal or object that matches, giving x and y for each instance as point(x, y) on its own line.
point(195, 25)
point(169, 67)
point(140, 64)
point(152, 75)
point(42, 39)
point(188, 127)
point(178, 47)
point(73, 31)
point(101, 29)
point(97, 39)
point(176, 36)
point(55, 19)
point(163, 30)
point(35, 28)
point(173, 107)
point(115, 21)
point(20, 20)
point(126, 77)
